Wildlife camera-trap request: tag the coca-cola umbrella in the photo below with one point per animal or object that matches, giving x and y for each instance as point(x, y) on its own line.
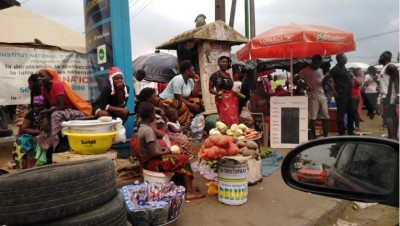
point(297, 41)
point(159, 67)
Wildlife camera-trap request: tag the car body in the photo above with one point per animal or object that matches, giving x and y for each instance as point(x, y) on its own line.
point(312, 172)
point(355, 176)
point(360, 168)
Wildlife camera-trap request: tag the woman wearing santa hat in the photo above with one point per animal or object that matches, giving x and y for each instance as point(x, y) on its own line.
point(113, 98)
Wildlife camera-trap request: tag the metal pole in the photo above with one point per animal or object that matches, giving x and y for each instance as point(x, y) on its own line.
point(246, 18)
point(291, 70)
point(233, 11)
point(220, 10)
point(252, 20)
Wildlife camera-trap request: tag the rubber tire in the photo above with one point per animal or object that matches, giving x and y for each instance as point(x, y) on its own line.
point(6, 132)
point(113, 213)
point(54, 191)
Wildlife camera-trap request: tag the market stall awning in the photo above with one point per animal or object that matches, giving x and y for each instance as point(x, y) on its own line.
point(22, 27)
point(216, 31)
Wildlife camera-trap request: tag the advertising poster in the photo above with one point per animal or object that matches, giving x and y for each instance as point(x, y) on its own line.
point(98, 44)
point(289, 121)
point(17, 64)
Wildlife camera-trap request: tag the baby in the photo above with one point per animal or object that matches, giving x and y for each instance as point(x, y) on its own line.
point(173, 123)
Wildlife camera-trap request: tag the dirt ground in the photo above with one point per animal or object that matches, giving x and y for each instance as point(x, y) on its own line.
point(270, 202)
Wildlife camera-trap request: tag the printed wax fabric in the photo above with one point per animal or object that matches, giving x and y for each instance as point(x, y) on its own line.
point(227, 107)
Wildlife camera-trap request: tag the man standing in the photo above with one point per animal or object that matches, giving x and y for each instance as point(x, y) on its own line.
point(275, 83)
point(389, 99)
point(342, 92)
point(317, 102)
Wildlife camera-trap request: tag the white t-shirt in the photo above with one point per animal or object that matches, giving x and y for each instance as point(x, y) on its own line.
point(371, 88)
point(178, 86)
point(384, 82)
point(176, 124)
point(313, 78)
point(143, 84)
point(236, 86)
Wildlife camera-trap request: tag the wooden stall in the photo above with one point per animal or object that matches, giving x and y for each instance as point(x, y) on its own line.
point(203, 45)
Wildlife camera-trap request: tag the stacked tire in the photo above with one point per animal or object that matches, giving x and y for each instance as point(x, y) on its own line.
point(73, 193)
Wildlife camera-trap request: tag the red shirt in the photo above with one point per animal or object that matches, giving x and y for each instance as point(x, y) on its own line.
point(356, 89)
point(57, 89)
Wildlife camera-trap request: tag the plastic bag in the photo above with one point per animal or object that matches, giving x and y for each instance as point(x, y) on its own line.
point(198, 124)
point(121, 135)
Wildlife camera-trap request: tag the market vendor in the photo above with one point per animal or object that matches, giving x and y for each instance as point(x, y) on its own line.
point(220, 85)
point(113, 98)
point(162, 133)
point(61, 104)
point(260, 101)
point(153, 158)
point(24, 150)
point(181, 93)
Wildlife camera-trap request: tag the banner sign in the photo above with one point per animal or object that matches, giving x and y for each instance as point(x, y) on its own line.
point(289, 121)
point(108, 44)
point(17, 64)
point(98, 44)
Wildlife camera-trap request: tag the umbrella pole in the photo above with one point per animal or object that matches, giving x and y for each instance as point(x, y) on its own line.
point(291, 70)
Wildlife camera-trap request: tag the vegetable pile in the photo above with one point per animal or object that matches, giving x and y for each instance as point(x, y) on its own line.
point(249, 148)
point(215, 147)
point(241, 131)
point(213, 164)
point(264, 152)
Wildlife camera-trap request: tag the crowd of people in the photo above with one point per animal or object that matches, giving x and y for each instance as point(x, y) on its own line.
point(351, 90)
point(164, 116)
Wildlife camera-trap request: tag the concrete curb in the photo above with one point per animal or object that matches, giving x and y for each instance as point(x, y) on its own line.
point(331, 214)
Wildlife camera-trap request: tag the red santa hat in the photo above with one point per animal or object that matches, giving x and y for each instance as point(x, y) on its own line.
point(113, 71)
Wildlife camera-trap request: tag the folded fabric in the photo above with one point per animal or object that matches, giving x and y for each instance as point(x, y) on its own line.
point(271, 164)
point(40, 156)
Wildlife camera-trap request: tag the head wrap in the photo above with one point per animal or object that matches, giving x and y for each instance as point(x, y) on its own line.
point(113, 71)
point(38, 100)
point(81, 104)
point(52, 73)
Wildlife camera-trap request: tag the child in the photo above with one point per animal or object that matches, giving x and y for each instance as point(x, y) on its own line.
point(153, 158)
point(173, 123)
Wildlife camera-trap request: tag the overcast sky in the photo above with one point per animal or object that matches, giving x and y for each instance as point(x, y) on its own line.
point(375, 24)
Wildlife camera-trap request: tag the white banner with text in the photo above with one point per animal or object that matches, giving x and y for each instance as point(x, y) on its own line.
point(17, 64)
point(289, 121)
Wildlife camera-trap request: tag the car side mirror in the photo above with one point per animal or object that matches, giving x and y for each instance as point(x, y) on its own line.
point(354, 168)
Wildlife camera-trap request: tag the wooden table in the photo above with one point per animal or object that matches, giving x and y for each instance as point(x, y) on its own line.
point(71, 156)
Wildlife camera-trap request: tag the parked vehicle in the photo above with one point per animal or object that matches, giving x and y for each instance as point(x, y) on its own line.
point(362, 168)
point(312, 172)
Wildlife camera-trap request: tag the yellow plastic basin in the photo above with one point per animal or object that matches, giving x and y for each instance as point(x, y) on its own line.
point(90, 144)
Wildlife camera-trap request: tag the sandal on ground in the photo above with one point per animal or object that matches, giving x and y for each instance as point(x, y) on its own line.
point(195, 197)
